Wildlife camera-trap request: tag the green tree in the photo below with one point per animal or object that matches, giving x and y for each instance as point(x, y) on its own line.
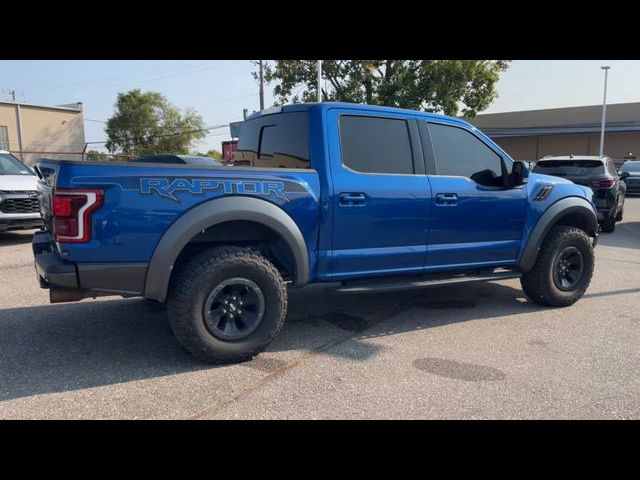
point(448, 86)
point(94, 156)
point(214, 154)
point(145, 123)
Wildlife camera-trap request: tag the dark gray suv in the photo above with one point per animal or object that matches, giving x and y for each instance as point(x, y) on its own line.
point(600, 175)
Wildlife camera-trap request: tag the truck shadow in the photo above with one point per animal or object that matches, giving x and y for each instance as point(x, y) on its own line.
point(67, 347)
point(626, 235)
point(16, 237)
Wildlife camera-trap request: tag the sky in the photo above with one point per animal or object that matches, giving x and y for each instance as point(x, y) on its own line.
point(219, 90)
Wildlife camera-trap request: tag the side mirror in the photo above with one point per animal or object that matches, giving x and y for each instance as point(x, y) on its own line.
point(518, 174)
point(624, 175)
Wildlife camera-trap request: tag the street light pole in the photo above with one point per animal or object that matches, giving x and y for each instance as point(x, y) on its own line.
point(319, 80)
point(604, 109)
point(261, 88)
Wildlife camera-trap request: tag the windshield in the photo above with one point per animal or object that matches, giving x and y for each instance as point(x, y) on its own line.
point(569, 167)
point(10, 165)
point(631, 167)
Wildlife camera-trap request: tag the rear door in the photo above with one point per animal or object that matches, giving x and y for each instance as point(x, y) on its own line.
point(381, 198)
point(475, 219)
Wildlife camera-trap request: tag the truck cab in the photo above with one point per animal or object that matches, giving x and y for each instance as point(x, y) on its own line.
point(363, 198)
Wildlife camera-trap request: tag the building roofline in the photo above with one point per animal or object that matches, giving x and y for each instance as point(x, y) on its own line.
point(539, 131)
point(48, 107)
point(572, 107)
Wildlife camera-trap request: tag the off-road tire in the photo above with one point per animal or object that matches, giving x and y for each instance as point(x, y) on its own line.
point(608, 224)
point(538, 284)
point(195, 280)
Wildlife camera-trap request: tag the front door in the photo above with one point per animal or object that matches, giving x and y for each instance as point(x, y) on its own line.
point(476, 220)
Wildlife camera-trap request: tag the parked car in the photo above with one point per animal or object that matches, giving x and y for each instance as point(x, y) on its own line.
point(630, 175)
point(386, 199)
point(597, 173)
point(194, 160)
point(19, 206)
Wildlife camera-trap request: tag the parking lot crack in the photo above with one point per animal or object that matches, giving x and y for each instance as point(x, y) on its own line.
point(382, 316)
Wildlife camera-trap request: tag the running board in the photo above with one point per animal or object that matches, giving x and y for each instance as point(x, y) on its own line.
point(384, 285)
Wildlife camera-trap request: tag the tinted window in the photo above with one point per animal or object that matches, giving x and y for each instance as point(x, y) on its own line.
point(631, 167)
point(10, 165)
point(570, 167)
point(376, 145)
point(269, 141)
point(460, 153)
point(278, 140)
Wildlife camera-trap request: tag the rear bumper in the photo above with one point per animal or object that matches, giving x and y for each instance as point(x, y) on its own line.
point(69, 281)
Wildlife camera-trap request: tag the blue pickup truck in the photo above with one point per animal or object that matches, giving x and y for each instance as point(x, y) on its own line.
point(364, 198)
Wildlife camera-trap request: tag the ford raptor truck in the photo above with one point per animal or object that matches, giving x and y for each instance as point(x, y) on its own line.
point(366, 199)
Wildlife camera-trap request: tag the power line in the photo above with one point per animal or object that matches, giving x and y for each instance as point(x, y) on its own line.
point(183, 132)
point(227, 100)
point(108, 78)
point(168, 74)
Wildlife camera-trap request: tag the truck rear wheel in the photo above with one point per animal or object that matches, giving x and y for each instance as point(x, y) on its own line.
point(227, 304)
point(563, 269)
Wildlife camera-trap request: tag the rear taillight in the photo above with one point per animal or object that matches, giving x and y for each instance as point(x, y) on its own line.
point(603, 183)
point(72, 211)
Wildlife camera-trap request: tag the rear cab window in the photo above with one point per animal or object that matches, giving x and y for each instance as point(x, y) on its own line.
point(278, 140)
point(376, 145)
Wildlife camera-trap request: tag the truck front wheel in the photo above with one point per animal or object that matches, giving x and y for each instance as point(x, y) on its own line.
point(563, 269)
point(227, 304)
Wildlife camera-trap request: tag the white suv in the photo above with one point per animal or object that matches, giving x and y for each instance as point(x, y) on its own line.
point(19, 206)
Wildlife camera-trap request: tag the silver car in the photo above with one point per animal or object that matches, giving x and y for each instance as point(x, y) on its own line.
point(19, 206)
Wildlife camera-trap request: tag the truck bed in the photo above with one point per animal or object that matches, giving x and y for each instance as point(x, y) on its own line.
point(142, 200)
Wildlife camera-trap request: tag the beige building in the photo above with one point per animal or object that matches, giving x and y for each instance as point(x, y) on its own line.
point(34, 131)
point(530, 135)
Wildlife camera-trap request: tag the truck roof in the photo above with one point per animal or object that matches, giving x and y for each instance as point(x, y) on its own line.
point(303, 107)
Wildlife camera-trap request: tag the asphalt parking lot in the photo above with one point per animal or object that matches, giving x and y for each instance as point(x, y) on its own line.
point(466, 351)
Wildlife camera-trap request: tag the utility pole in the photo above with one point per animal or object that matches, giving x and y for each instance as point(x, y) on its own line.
point(604, 109)
point(319, 81)
point(10, 92)
point(261, 88)
point(18, 122)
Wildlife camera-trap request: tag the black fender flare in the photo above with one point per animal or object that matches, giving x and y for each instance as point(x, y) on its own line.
point(212, 213)
point(549, 218)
